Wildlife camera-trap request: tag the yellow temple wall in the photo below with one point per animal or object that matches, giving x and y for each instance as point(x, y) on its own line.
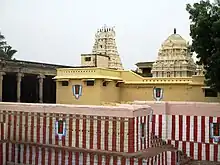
point(132, 87)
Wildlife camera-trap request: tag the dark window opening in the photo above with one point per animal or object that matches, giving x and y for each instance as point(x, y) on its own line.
point(87, 58)
point(143, 130)
point(90, 83)
point(117, 84)
point(65, 83)
point(60, 127)
point(210, 93)
point(104, 83)
point(100, 46)
point(216, 129)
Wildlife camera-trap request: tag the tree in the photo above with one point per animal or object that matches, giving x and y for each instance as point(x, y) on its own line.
point(6, 51)
point(205, 33)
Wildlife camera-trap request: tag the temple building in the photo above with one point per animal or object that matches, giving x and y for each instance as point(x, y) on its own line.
point(174, 73)
point(104, 52)
point(174, 58)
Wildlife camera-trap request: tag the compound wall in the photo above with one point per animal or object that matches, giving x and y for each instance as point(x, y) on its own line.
point(186, 125)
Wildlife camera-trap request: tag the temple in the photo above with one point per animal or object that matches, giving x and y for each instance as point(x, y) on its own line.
point(160, 114)
point(104, 52)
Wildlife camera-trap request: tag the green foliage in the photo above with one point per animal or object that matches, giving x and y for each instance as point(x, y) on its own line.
point(6, 51)
point(205, 33)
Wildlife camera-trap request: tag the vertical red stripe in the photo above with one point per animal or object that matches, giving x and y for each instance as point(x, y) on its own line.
point(99, 160)
point(122, 122)
point(180, 127)
point(114, 135)
point(131, 135)
point(50, 139)
point(84, 132)
point(77, 139)
point(173, 128)
point(131, 161)
point(207, 152)
point(141, 129)
point(91, 132)
point(140, 161)
point(32, 137)
point(187, 128)
point(216, 152)
point(9, 135)
point(137, 134)
point(44, 138)
point(184, 146)
point(115, 160)
point(146, 134)
point(70, 138)
point(91, 158)
point(20, 126)
point(57, 143)
point(173, 158)
point(106, 132)
point(99, 123)
point(14, 136)
point(63, 152)
point(107, 161)
point(38, 138)
point(195, 128)
point(123, 161)
point(203, 129)
point(166, 158)
point(84, 158)
point(199, 151)
point(148, 131)
point(192, 149)
point(1, 153)
point(160, 126)
point(25, 137)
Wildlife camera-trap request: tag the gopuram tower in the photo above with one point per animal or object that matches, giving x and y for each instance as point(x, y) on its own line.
point(104, 52)
point(174, 59)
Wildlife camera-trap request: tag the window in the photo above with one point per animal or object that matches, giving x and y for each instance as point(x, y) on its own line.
point(215, 129)
point(90, 83)
point(60, 128)
point(143, 130)
point(104, 84)
point(65, 83)
point(87, 58)
point(210, 93)
point(168, 74)
point(100, 46)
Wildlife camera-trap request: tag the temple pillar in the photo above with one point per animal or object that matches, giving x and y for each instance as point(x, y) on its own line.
point(1, 84)
point(41, 85)
point(19, 78)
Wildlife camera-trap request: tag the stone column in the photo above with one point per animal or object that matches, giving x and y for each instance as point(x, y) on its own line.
point(19, 78)
point(41, 85)
point(1, 84)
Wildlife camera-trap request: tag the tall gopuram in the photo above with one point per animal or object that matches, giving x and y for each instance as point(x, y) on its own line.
point(174, 58)
point(104, 53)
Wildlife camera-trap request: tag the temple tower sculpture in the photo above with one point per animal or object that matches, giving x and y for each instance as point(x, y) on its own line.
point(104, 52)
point(174, 58)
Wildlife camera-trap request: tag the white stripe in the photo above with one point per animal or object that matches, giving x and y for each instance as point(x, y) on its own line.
point(218, 154)
point(164, 127)
point(157, 125)
point(211, 153)
point(135, 133)
point(196, 151)
point(199, 129)
point(176, 127)
point(169, 126)
point(95, 132)
point(203, 151)
point(207, 129)
point(184, 128)
point(74, 131)
point(139, 133)
point(102, 134)
point(191, 138)
point(118, 135)
point(88, 130)
point(126, 137)
point(67, 119)
point(110, 134)
point(80, 132)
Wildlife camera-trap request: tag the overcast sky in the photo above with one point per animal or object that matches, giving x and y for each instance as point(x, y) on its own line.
point(58, 31)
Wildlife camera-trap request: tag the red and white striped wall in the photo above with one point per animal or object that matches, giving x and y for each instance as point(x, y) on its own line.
point(40, 156)
point(190, 134)
point(2, 145)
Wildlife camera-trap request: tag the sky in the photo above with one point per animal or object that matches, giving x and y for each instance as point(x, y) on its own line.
point(59, 31)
